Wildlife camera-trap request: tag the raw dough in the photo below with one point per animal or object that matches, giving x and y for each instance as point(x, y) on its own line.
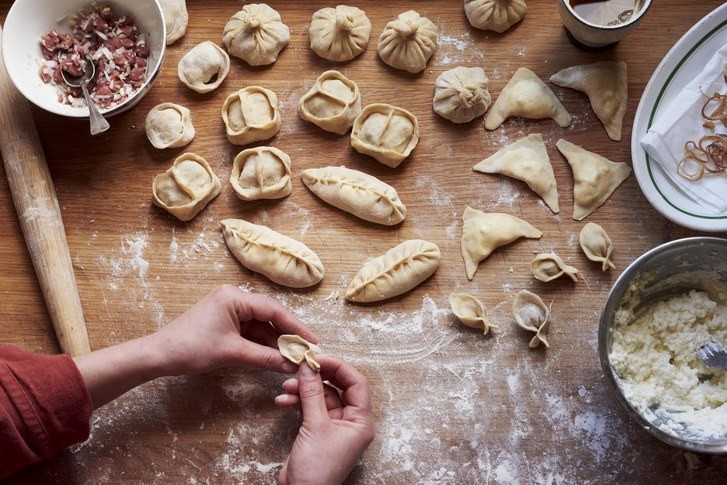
point(386, 133)
point(497, 15)
point(256, 34)
point(597, 245)
point(251, 114)
point(204, 67)
point(470, 311)
point(339, 34)
point(261, 173)
point(298, 350)
point(408, 42)
point(169, 125)
point(332, 104)
point(175, 18)
point(186, 188)
point(461, 95)
point(533, 315)
point(549, 266)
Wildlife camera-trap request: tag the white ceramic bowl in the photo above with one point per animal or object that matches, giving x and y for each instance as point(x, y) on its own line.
point(28, 20)
point(594, 35)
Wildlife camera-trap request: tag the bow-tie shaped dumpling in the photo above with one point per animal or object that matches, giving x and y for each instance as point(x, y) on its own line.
point(256, 34)
point(386, 133)
point(461, 95)
point(470, 311)
point(298, 350)
point(261, 173)
point(549, 266)
point(332, 104)
point(496, 15)
point(533, 315)
point(186, 188)
point(251, 114)
point(408, 42)
point(169, 125)
point(597, 245)
point(339, 34)
point(204, 67)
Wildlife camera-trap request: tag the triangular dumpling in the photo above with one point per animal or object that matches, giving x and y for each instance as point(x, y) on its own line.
point(526, 160)
point(483, 232)
point(605, 85)
point(527, 96)
point(595, 178)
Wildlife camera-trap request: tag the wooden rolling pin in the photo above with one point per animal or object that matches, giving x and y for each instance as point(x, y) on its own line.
point(40, 216)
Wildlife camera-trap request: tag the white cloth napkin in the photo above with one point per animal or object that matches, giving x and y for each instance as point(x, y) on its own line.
point(682, 121)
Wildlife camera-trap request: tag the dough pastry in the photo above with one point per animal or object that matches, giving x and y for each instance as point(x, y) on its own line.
point(549, 266)
point(355, 192)
point(483, 232)
point(256, 34)
point(605, 85)
point(399, 270)
point(186, 188)
point(526, 160)
point(470, 311)
point(533, 315)
point(175, 18)
point(169, 125)
point(298, 350)
point(527, 96)
point(408, 42)
point(283, 260)
point(497, 15)
point(597, 245)
point(461, 95)
point(595, 178)
point(339, 34)
point(261, 173)
point(333, 103)
point(204, 67)
point(251, 114)
point(386, 133)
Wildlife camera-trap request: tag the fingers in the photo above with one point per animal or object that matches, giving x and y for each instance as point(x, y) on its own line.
point(262, 357)
point(253, 306)
point(312, 396)
point(355, 386)
point(291, 387)
point(263, 333)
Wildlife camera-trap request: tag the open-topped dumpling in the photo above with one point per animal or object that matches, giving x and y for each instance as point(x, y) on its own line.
point(408, 42)
point(470, 311)
point(298, 350)
point(339, 34)
point(256, 34)
point(461, 95)
point(261, 173)
point(169, 125)
point(204, 67)
point(533, 315)
point(186, 188)
point(333, 103)
point(549, 266)
point(596, 245)
point(386, 133)
point(496, 15)
point(175, 19)
point(251, 114)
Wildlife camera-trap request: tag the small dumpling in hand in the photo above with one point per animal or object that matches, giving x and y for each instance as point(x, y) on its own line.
point(298, 350)
point(204, 67)
point(461, 95)
point(596, 245)
point(408, 42)
point(175, 19)
point(186, 188)
point(385, 132)
point(256, 34)
point(332, 104)
point(527, 96)
point(339, 34)
point(470, 311)
point(251, 114)
point(261, 173)
point(496, 15)
point(169, 125)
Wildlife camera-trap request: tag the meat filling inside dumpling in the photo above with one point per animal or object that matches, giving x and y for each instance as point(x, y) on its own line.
point(333, 103)
point(186, 188)
point(386, 133)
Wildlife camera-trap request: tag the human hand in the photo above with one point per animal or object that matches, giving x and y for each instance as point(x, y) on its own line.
point(336, 429)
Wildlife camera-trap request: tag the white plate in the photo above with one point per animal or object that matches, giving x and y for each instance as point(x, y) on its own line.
point(676, 70)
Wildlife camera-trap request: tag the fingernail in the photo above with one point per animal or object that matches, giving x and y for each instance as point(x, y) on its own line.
point(306, 371)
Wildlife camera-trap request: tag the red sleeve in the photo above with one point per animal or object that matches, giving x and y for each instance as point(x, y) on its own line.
point(44, 407)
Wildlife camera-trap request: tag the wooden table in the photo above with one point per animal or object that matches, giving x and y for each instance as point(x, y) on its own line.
point(451, 405)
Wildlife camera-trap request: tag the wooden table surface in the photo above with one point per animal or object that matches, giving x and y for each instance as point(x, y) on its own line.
point(451, 405)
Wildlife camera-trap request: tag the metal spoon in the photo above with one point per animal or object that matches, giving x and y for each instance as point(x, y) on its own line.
point(98, 122)
point(713, 355)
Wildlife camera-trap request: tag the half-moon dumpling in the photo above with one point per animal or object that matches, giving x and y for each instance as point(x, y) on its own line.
point(461, 95)
point(408, 42)
point(169, 125)
point(298, 350)
point(256, 34)
point(470, 311)
point(597, 245)
point(339, 34)
point(283, 260)
point(251, 114)
point(527, 96)
point(549, 266)
point(484, 232)
point(355, 192)
point(533, 315)
point(605, 85)
point(526, 160)
point(186, 188)
point(175, 18)
point(386, 133)
point(333, 103)
point(204, 67)
point(261, 173)
point(399, 270)
point(497, 15)
point(595, 178)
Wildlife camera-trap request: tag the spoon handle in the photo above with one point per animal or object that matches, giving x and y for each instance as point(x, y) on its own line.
point(98, 122)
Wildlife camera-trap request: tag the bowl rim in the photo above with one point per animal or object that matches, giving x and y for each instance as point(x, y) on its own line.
point(608, 28)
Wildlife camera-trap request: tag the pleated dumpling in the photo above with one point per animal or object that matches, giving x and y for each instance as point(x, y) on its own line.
point(261, 173)
point(385, 132)
point(256, 34)
point(186, 188)
point(596, 245)
point(339, 34)
point(549, 266)
point(461, 95)
point(527, 96)
point(251, 114)
point(532, 315)
point(496, 15)
point(332, 104)
point(298, 350)
point(470, 311)
point(169, 125)
point(408, 42)
point(175, 18)
point(204, 67)
point(526, 160)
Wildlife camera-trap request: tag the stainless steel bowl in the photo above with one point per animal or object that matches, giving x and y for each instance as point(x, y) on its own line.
point(655, 267)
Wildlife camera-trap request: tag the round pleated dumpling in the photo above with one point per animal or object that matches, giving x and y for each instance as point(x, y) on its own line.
point(461, 94)
point(339, 34)
point(256, 34)
point(496, 15)
point(408, 42)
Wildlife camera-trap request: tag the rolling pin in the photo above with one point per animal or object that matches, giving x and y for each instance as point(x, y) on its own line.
point(40, 216)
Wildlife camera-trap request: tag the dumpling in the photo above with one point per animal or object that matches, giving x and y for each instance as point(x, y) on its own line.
point(605, 85)
point(332, 104)
point(186, 188)
point(549, 266)
point(169, 125)
point(527, 96)
point(251, 114)
point(399, 270)
point(175, 19)
point(386, 133)
point(339, 34)
point(355, 192)
point(256, 34)
point(533, 315)
point(526, 160)
point(484, 232)
point(408, 42)
point(461, 95)
point(204, 67)
point(597, 245)
point(261, 173)
point(470, 311)
point(497, 15)
point(595, 178)
point(298, 350)
point(283, 260)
